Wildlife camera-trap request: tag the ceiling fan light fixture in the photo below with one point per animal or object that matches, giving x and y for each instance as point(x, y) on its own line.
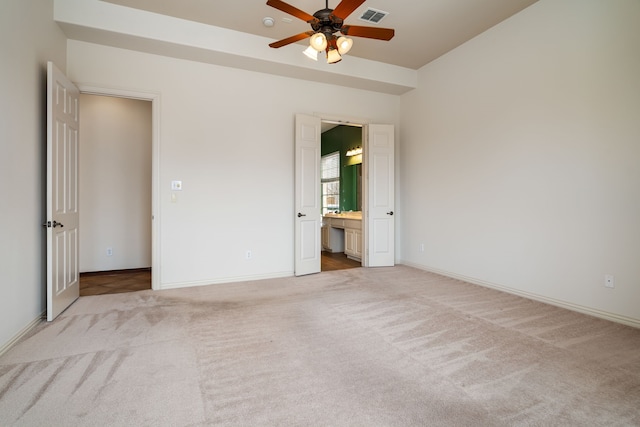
point(311, 53)
point(333, 56)
point(344, 44)
point(318, 42)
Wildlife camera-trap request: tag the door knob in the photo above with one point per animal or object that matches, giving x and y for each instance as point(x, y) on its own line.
point(55, 224)
point(301, 214)
point(390, 213)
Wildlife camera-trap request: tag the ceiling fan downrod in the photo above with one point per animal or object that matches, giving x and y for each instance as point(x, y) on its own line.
point(326, 23)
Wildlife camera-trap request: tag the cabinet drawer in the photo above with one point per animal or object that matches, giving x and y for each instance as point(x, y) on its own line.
point(353, 223)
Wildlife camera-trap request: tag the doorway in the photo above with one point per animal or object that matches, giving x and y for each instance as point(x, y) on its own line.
point(342, 189)
point(115, 194)
point(377, 247)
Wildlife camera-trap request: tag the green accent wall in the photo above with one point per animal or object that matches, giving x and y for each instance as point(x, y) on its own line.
point(344, 138)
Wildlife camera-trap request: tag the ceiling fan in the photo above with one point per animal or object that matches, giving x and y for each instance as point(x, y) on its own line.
point(324, 24)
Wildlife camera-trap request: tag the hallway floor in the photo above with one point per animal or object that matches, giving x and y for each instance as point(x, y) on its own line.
point(120, 281)
point(115, 282)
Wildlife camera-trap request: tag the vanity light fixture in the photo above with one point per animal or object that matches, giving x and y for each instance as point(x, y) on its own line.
point(354, 152)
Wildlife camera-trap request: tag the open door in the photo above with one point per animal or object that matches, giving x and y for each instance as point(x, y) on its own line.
point(379, 231)
point(307, 196)
point(63, 278)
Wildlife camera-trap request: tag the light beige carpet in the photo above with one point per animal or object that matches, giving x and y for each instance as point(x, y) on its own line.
point(362, 347)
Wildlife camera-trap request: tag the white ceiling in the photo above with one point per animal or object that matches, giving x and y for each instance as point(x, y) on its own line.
point(424, 29)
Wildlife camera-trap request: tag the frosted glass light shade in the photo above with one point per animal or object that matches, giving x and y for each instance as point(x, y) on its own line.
point(333, 56)
point(318, 42)
point(344, 44)
point(311, 53)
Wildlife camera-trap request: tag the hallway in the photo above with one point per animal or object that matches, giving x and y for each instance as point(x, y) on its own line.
point(120, 281)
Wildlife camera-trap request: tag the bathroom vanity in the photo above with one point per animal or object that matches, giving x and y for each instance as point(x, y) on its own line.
point(342, 232)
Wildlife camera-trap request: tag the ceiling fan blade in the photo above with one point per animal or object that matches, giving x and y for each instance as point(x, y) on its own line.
point(368, 32)
point(346, 7)
point(291, 10)
point(291, 39)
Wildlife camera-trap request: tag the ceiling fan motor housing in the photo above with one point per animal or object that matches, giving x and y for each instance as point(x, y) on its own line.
point(327, 23)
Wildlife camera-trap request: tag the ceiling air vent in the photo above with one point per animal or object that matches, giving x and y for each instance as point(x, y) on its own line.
point(373, 15)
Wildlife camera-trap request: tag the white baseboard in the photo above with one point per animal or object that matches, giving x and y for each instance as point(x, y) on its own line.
point(233, 279)
point(35, 322)
point(629, 321)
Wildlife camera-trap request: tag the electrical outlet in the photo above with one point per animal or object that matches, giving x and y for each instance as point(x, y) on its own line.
point(421, 247)
point(248, 255)
point(109, 251)
point(608, 281)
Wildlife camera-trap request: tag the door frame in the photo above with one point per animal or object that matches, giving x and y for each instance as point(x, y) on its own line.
point(363, 124)
point(154, 98)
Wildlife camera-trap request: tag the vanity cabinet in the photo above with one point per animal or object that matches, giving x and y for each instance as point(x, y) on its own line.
point(326, 244)
point(342, 234)
point(353, 243)
point(332, 235)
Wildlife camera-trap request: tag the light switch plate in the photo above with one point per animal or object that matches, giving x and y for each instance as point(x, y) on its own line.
point(176, 185)
point(609, 281)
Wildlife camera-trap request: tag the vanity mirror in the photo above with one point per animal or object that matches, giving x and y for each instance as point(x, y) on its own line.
point(343, 139)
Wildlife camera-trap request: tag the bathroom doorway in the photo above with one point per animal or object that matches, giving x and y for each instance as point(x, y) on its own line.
point(375, 246)
point(344, 187)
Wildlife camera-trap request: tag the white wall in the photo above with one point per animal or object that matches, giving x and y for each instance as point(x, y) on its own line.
point(228, 135)
point(115, 183)
point(519, 160)
point(28, 38)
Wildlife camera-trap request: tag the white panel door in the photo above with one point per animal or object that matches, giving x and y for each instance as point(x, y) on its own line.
point(308, 219)
point(380, 223)
point(63, 281)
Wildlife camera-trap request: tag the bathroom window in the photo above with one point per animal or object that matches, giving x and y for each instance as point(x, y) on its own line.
point(330, 170)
